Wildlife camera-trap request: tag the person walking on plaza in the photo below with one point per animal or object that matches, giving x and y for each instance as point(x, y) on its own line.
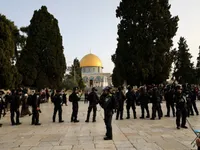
point(181, 108)
point(107, 102)
point(74, 98)
point(93, 101)
point(57, 100)
point(25, 107)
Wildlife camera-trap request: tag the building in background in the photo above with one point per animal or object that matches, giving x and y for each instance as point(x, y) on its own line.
point(92, 72)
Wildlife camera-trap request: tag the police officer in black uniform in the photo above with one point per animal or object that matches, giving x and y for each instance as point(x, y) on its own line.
point(57, 100)
point(169, 97)
point(193, 97)
point(181, 108)
point(156, 100)
point(131, 102)
point(14, 107)
point(36, 108)
point(107, 102)
point(120, 98)
point(93, 101)
point(74, 98)
point(144, 100)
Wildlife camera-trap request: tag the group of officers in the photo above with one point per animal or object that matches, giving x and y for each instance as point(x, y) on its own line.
point(181, 97)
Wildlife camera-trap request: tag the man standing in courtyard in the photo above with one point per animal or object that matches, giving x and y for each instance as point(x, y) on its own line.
point(181, 108)
point(57, 100)
point(108, 104)
point(93, 101)
point(74, 98)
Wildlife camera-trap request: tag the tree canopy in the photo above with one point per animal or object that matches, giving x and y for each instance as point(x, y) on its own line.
point(145, 34)
point(9, 77)
point(74, 78)
point(42, 62)
point(184, 70)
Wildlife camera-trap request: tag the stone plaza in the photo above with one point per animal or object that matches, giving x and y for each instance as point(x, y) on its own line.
point(133, 134)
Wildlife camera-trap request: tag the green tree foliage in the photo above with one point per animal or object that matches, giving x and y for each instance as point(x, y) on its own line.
point(9, 77)
point(76, 74)
point(42, 62)
point(198, 68)
point(145, 34)
point(184, 70)
point(68, 82)
point(74, 78)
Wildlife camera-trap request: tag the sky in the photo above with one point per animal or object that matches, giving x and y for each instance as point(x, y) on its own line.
point(91, 25)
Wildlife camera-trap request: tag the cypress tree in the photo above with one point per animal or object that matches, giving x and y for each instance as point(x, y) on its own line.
point(42, 62)
point(9, 77)
point(145, 34)
point(184, 71)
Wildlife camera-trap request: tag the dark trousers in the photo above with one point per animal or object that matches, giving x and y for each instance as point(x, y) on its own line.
point(12, 115)
point(128, 106)
point(108, 123)
point(59, 109)
point(181, 113)
point(90, 108)
point(170, 104)
point(194, 106)
point(74, 113)
point(145, 107)
point(156, 108)
point(35, 116)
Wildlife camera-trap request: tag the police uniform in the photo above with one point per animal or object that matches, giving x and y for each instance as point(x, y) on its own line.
point(14, 107)
point(57, 100)
point(74, 98)
point(93, 101)
point(108, 103)
point(181, 109)
point(156, 100)
point(35, 109)
point(131, 102)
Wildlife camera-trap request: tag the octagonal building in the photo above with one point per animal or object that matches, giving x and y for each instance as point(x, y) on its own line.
point(92, 72)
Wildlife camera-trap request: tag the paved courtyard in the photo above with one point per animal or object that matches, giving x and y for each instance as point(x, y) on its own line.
point(127, 134)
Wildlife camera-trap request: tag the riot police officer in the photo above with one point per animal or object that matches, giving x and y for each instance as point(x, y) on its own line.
point(193, 103)
point(74, 98)
point(107, 101)
point(14, 107)
point(131, 102)
point(57, 100)
point(169, 97)
point(181, 108)
point(93, 101)
point(156, 100)
point(144, 100)
point(36, 108)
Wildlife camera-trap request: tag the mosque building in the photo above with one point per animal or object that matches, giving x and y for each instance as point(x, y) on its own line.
point(92, 72)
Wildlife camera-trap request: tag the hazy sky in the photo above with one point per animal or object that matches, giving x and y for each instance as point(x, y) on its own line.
point(91, 24)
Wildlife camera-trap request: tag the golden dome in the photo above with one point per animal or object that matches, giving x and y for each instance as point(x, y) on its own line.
point(90, 60)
